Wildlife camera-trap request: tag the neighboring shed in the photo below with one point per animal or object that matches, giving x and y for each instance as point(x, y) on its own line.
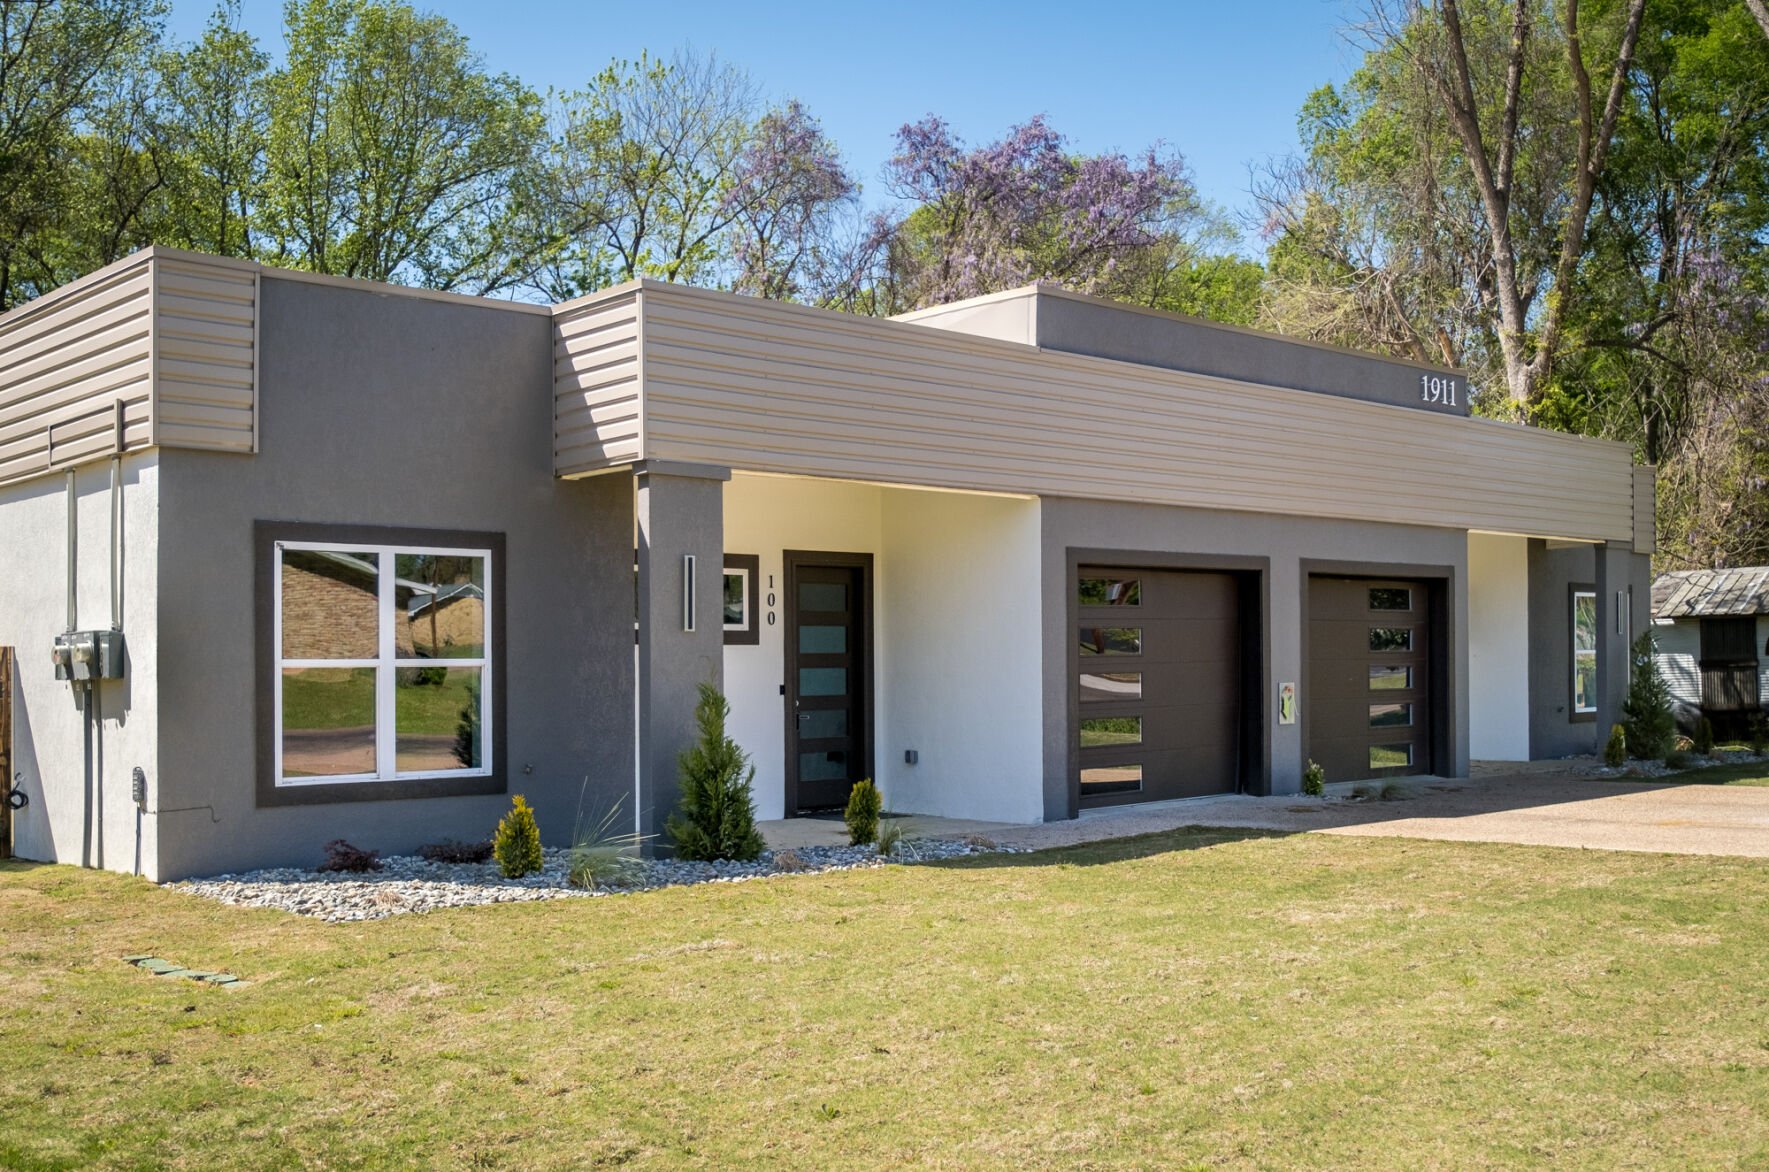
point(1713, 642)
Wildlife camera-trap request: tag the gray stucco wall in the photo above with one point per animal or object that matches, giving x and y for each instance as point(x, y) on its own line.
point(1288, 543)
point(1554, 731)
point(381, 409)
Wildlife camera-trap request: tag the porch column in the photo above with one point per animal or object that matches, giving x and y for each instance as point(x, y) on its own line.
point(680, 514)
point(1620, 616)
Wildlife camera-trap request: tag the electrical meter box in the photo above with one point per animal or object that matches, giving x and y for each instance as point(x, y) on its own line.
point(89, 655)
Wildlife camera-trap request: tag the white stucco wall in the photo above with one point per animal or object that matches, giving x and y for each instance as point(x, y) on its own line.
point(766, 515)
point(956, 653)
point(48, 731)
point(1498, 648)
point(964, 681)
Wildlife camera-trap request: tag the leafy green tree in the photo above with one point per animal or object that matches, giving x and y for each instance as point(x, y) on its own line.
point(391, 152)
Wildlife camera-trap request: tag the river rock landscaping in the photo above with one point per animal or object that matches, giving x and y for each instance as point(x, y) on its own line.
point(407, 883)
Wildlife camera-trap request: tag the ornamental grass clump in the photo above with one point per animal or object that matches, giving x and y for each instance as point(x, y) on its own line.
point(716, 818)
point(606, 854)
point(864, 806)
point(517, 844)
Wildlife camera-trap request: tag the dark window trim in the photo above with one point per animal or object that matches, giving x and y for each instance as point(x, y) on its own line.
point(265, 535)
point(1573, 590)
point(752, 633)
point(1253, 577)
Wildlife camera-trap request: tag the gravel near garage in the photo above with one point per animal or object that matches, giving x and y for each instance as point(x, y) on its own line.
point(408, 884)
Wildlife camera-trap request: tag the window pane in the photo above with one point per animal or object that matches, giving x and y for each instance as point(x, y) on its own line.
point(1390, 715)
point(736, 596)
point(820, 723)
point(1111, 685)
point(823, 681)
point(1384, 679)
point(831, 596)
point(331, 604)
point(823, 640)
point(328, 721)
point(1391, 639)
point(1111, 592)
point(1111, 779)
point(1584, 622)
point(831, 766)
point(1584, 681)
point(1390, 756)
point(438, 714)
point(1111, 730)
point(441, 601)
point(1390, 598)
point(1111, 640)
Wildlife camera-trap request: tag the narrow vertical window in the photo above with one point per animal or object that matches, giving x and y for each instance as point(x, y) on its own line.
point(1584, 651)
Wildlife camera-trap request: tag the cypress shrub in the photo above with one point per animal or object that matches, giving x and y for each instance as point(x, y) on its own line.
point(1648, 725)
point(1615, 750)
point(716, 818)
point(518, 841)
point(864, 806)
point(1704, 737)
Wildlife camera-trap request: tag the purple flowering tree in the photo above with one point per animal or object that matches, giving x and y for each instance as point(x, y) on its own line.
point(783, 205)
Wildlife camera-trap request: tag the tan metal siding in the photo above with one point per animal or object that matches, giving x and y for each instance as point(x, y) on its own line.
point(1645, 509)
point(205, 354)
point(597, 417)
point(778, 388)
point(67, 361)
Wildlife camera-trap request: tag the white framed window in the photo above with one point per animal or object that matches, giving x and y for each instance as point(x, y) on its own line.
point(383, 662)
point(1584, 652)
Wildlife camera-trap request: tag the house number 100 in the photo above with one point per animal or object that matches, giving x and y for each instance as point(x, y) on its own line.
point(1437, 389)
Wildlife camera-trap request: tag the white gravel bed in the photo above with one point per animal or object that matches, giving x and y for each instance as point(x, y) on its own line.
point(408, 883)
point(1657, 769)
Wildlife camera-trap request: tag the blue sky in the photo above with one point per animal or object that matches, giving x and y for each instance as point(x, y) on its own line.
point(1221, 82)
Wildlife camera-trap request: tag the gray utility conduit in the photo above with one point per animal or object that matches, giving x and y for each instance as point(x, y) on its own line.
point(87, 692)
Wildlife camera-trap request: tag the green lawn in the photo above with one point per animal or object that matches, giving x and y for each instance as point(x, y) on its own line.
point(343, 698)
point(1749, 774)
point(1189, 999)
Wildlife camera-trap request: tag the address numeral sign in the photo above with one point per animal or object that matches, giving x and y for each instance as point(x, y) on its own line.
point(1434, 388)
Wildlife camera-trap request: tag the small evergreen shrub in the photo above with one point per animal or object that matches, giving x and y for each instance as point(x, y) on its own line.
point(1759, 734)
point(1615, 750)
point(1703, 741)
point(450, 851)
point(1314, 780)
point(716, 818)
point(864, 806)
point(517, 843)
point(1678, 759)
point(341, 856)
point(1648, 725)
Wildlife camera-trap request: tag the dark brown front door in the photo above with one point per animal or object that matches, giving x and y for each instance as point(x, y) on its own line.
point(1159, 688)
point(828, 674)
point(1368, 695)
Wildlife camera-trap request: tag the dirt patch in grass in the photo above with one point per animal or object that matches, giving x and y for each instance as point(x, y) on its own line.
point(1214, 998)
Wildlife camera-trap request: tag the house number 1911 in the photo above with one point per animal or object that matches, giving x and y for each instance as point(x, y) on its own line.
point(1434, 388)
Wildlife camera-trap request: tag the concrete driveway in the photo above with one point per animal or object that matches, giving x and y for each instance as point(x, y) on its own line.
point(1533, 809)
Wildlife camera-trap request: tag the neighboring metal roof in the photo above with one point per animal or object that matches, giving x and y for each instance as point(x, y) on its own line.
point(1683, 594)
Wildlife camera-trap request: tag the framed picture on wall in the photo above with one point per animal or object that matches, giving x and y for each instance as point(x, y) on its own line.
point(741, 572)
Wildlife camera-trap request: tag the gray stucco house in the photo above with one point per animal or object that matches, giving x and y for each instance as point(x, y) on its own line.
point(380, 557)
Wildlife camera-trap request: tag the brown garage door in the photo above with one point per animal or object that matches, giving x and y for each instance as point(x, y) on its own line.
point(1159, 685)
point(1368, 700)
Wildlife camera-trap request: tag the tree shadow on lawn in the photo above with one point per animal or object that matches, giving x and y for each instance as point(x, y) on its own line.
point(1113, 850)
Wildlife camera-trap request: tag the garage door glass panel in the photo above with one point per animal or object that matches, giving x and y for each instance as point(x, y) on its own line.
point(1390, 756)
point(1391, 715)
point(1391, 638)
point(1386, 679)
point(1111, 779)
point(1390, 598)
point(1111, 730)
point(1097, 687)
point(1111, 640)
point(1111, 592)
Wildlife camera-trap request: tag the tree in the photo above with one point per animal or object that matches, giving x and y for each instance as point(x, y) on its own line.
point(390, 152)
point(1648, 725)
point(716, 817)
point(788, 188)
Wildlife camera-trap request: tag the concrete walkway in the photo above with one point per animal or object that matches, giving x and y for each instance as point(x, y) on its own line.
point(1545, 806)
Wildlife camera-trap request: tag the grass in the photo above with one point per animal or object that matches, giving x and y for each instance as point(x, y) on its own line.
point(327, 698)
point(1195, 998)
